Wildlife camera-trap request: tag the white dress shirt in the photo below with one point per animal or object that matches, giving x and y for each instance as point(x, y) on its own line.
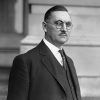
point(54, 50)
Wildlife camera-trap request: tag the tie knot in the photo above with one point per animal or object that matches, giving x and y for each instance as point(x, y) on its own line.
point(61, 52)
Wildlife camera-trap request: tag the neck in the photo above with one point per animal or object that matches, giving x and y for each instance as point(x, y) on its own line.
point(58, 46)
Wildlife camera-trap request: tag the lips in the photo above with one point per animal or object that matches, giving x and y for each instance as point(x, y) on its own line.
point(63, 34)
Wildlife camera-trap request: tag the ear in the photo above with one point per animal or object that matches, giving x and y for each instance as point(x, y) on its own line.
point(44, 26)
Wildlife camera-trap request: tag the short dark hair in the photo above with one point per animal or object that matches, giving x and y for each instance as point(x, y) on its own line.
point(53, 9)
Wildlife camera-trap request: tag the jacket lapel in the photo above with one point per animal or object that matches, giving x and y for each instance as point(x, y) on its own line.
point(74, 77)
point(51, 65)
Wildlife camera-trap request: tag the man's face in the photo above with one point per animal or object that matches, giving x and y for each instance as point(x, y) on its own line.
point(56, 28)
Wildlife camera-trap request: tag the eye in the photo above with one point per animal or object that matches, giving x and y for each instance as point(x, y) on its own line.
point(68, 24)
point(59, 23)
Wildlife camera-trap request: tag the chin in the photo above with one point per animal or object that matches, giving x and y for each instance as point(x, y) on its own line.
point(63, 41)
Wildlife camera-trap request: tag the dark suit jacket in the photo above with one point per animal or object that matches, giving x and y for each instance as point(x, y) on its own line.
point(33, 76)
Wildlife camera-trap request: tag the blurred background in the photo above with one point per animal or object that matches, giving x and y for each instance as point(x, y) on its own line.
point(21, 30)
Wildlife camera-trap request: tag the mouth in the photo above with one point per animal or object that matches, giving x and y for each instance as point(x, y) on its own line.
point(63, 34)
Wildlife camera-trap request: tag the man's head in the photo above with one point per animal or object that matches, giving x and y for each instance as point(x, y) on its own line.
point(57, 25)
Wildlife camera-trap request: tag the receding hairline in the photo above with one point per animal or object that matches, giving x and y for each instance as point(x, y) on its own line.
point(54, 9)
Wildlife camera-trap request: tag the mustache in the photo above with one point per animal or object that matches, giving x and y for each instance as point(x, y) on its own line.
point(63, 33)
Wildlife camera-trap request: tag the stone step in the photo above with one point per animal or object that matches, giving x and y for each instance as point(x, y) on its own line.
point(90, 98)
point(4, 75)
point(7, 55)
point(9, 48)
point(90, 86)
point(10, 40)
point(2, 97)
point(3, 90)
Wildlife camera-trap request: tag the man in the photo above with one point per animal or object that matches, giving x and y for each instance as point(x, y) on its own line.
point(43, 73)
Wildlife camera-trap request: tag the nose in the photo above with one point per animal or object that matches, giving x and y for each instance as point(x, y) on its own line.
point(64, 27)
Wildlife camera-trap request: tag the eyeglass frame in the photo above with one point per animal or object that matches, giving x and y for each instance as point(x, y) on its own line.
point(61, 26)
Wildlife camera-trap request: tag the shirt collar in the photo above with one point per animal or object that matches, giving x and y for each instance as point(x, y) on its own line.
point(52, 47)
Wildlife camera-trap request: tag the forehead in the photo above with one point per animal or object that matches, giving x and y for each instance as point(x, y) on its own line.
point(60, 15)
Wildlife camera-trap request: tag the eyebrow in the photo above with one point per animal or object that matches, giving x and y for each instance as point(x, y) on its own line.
point(62, 21)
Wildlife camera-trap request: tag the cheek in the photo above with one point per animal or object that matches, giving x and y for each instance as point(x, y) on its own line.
point(69, 34)
point(53, 32)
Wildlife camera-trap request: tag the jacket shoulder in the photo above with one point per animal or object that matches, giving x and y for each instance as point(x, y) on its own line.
point(28, 55)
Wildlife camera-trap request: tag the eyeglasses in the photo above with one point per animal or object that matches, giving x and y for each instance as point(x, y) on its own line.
point(60, 24)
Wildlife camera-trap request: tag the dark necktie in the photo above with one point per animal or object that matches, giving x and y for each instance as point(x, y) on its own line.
point(63, 58)
point(68, 74)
